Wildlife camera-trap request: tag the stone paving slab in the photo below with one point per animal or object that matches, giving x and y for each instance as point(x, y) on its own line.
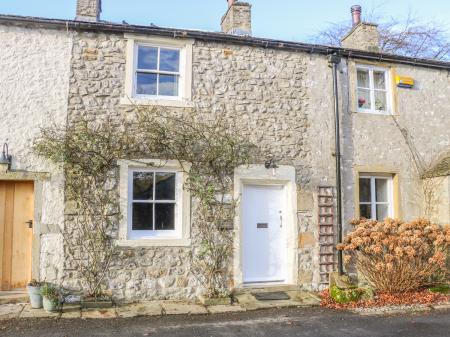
point(98, 313)
point(443, 306)
point(139, 309)
point(220, 309)
point(9, 311)
point(71, 311)
point(29, 312)
point(249, 302)
point(180, 308)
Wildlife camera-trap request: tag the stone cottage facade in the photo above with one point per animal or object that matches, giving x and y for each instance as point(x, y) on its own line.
point(55, 71)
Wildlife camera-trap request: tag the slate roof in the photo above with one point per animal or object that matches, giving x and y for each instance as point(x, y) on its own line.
point(109, 27)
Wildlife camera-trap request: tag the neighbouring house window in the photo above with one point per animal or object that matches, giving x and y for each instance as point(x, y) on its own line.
point(375, 197)
point(157, 71)
point(373, 94)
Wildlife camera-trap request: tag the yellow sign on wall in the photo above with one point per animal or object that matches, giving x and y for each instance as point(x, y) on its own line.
point(404, 82)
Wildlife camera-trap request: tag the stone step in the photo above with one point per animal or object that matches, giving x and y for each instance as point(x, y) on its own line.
point(267, 288)
point(13, 297)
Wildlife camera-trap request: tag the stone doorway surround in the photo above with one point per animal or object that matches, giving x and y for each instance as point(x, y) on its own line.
point(38, 179)
point(259, 175)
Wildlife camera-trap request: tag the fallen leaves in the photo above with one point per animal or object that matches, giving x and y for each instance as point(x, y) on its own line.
point(423, 297)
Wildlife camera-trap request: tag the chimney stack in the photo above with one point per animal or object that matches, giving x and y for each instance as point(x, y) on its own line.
point(238, 18)
point(88, 10)
point(356, 15)
point(363, 35)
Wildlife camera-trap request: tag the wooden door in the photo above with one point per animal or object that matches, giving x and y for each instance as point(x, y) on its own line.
point(16, 211)
point(264, 234)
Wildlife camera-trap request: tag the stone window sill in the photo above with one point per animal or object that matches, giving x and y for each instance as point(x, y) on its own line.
point(156, 102)
point(154, 243)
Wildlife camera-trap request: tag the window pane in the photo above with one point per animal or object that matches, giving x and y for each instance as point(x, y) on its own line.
point(365, 211)
point(364, 190)
point(363, 99)
point(148, 58)
point(168, 85)
point(169, 60)
point(164, 216)
point(381, 190)
point(142, 217)
point(380, 100)
point(363, 79)
point(142, 185)
point(379, 80)
point(382, 212)
point(146, 84)
point(165, 186)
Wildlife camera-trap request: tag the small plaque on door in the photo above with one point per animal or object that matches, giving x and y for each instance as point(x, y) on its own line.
point(262, 225)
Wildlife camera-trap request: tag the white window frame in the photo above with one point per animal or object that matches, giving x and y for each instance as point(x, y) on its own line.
point(372, 90)
point(158, 72)
point(185, 46)
point(373, 203)
point(180, 236)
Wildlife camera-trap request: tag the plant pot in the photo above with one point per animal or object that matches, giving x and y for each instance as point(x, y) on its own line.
point(50, 305)
point(35, 297)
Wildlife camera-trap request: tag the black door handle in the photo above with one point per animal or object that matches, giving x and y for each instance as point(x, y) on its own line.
point(29, 223)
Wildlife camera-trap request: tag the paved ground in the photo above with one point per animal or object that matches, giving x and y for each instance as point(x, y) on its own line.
point(314, 322)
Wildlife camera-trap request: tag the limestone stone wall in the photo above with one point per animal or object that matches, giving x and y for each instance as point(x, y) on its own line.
point(283, 101)
point(34, 84)
point(276, 98)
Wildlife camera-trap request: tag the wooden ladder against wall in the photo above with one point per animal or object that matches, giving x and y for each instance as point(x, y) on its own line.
point(327, 224)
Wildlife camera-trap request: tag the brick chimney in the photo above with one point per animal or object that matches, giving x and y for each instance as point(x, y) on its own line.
point(238, 18)
point(88, 10)
point(363, 35)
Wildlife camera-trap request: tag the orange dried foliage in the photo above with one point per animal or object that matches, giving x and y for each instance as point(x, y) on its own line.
point(387, 299)
point(396, 256)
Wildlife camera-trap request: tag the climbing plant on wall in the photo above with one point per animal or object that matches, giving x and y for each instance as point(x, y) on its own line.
point(89, 151)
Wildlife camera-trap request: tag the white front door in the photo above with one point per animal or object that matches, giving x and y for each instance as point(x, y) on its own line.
point(264, 234)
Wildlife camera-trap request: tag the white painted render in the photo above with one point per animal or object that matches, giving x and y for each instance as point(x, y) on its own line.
point(34, 84)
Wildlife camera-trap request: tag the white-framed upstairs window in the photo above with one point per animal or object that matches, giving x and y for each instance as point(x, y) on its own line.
point(158, 71)
point(375, 197)
point(373, 90)
point(154, 204)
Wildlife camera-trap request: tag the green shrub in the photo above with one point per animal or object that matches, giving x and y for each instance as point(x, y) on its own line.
point(343, 296)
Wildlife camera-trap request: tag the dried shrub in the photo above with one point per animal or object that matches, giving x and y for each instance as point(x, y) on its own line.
point(396, 256)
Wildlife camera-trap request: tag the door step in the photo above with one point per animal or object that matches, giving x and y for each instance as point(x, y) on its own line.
point(267, 288)
point(272, 296)
point(13, 297)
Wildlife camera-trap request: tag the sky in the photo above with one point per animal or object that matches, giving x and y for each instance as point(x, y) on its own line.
point(295, 20)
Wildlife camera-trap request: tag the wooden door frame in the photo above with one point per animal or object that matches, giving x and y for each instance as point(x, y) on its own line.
point(38, 179)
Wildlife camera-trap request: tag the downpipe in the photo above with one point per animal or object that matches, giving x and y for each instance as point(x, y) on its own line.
point(334, 60)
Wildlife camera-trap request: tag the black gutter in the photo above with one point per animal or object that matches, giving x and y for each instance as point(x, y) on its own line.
point(334, 60)
point(107, 27)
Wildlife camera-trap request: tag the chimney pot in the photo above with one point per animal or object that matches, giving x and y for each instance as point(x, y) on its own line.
point(356, 11)
point(230, 3)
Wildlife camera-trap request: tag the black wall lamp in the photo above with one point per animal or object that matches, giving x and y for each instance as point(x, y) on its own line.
point(270, 164)
point(6, 158)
